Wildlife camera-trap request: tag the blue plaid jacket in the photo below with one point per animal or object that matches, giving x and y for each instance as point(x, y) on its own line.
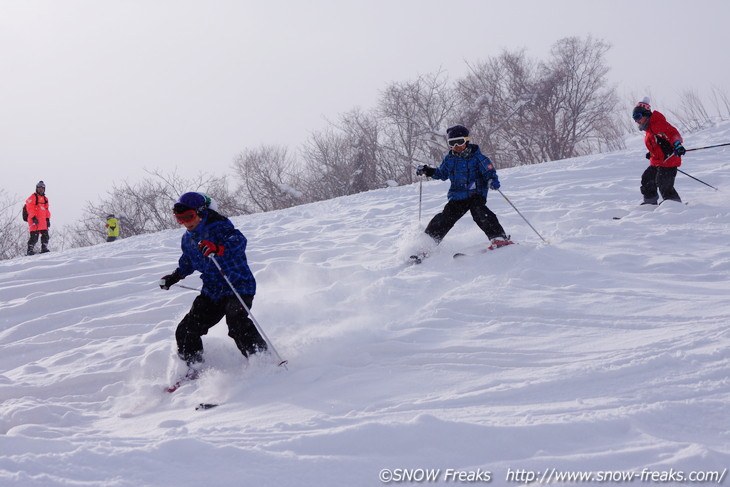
point(469, 174)
point(219, 230)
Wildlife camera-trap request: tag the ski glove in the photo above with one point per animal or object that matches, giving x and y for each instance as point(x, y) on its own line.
point(648, 155)
point(169, 280)
point(425, 170)
point(35, 221)
point(494, 183)
point(665, 146)
point(209, 248)
point(679, 149)
point(48, 222)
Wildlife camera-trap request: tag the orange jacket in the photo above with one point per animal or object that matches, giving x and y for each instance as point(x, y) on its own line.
point(659, 139)
point(37, 207)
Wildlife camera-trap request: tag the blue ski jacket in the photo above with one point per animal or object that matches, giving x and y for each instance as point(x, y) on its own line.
point(469, 173)
point(219, 230)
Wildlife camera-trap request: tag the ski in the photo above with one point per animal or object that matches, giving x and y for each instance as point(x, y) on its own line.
point(483, 250)
point(206, 405)
point(645, 208)
point(189, 376)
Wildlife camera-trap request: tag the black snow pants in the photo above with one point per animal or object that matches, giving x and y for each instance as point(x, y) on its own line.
point(659, 178)
point(440, 224)
point(204, 314)
point(33, 239)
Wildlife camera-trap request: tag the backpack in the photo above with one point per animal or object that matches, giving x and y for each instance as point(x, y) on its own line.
point(25, 208)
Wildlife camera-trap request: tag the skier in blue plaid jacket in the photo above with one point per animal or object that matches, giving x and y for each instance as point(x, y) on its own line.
point(472, 174)
point(210, 234)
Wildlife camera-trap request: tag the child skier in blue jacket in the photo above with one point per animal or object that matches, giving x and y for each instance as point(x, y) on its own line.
point(472, 174)
point(211, 234)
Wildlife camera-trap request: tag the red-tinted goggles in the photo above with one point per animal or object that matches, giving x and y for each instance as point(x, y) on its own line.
point(185, 216)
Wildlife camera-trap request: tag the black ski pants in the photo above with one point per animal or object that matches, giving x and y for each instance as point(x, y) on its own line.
point(204, 314)
point(33, 239)
point(440, 224)
point(662, 179)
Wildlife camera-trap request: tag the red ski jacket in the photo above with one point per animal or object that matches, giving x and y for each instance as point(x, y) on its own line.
point(659, 139)
point(37, 206)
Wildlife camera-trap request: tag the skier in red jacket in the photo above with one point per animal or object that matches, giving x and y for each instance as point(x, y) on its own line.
point(665, 154)
point(39, 218)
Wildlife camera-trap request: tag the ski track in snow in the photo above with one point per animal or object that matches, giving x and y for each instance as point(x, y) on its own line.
point(605, 350)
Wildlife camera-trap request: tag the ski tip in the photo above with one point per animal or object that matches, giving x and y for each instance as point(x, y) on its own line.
point(173, 387)
point(459, 254)
point(205, 405)
point(283, 364)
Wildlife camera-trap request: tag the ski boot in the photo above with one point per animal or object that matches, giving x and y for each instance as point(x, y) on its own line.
point(502, 241)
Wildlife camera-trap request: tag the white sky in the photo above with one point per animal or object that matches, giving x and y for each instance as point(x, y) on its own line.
point(95, 91)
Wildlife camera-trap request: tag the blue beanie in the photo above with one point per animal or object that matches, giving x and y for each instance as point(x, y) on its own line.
point(190, 201)
point(457, 131)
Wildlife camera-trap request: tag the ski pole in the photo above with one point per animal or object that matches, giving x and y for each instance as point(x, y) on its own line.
point(708, 147)
point(188, 287)
point(420, 199)
point(282, 363)
point(523, 217)
point(699, 180)
point(673, 154)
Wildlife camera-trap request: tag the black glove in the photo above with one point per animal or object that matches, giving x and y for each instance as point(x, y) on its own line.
point(648, 155)
point(425, 170)
point(169, 280)
point(679, 149)
point(35, 221)
point(665, 146)
point(209, 248)
point(48, 223)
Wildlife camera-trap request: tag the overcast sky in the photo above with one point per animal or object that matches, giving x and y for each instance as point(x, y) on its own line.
point(95, 91)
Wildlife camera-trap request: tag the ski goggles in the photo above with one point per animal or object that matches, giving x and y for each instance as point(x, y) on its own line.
point(185, 216)
point(457, 141)
point(639, 113)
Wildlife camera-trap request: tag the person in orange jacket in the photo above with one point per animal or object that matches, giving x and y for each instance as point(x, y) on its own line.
point(39, 218)
point(665, 154)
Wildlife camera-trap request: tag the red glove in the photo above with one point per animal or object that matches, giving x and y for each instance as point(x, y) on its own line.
point(209, 248)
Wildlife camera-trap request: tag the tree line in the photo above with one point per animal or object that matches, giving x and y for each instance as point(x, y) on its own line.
point(519, 110)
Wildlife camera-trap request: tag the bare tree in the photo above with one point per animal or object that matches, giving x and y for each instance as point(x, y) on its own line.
point(722, 102)
point(13, 231)
point(330, 165)
point(268, 177)
point(692, 114)
point(361, 131)
point(230, 203)
point(575, 103)
point(492, 102)
point(525, 112)
point(413, 115)
point(143, 207)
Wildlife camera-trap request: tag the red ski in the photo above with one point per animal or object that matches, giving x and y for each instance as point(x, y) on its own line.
point(189, 376)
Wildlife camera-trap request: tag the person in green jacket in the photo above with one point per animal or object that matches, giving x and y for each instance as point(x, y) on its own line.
point(112, 228)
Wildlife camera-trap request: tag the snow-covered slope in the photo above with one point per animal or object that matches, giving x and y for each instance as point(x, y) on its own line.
point(605, 351)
